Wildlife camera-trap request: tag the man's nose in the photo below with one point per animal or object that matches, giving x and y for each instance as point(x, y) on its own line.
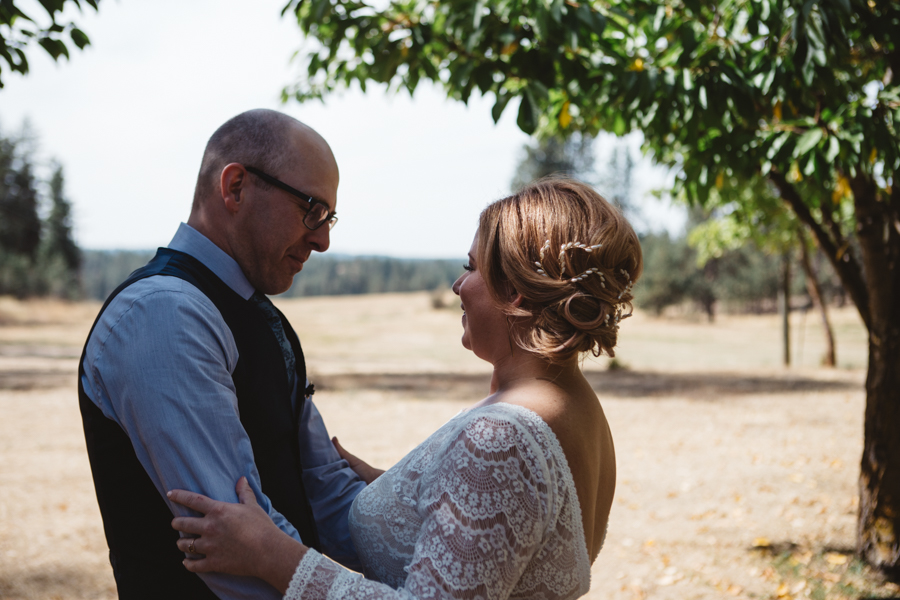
point(320, 239)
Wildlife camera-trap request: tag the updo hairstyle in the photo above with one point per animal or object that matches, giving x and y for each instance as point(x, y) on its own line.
point(560, 317)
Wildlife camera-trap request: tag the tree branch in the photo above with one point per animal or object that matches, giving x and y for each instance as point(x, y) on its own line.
point(837, 250)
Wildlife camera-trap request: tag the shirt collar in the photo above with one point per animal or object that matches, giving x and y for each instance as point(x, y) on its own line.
point(190, 241)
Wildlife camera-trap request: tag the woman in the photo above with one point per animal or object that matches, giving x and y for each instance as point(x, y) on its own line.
point(509, 499)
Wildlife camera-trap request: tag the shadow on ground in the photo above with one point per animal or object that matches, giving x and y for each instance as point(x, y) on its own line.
point(53, 581)
point(621, 384)
point(34, 379)
point(50, 373)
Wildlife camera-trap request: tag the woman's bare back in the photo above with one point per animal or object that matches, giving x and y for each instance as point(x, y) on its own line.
point(571, 409)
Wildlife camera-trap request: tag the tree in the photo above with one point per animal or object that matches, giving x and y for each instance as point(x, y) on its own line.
point(802, 92)
point(671, 275)
point(760, 218)
point(18, 30)
point(60, 261)
point(617, 178)
point(551, 154)
point(58, 237)
point(37, 257)
point(20, 225)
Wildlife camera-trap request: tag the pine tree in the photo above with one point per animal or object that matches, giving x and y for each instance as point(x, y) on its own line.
point(548, 155)
point(58, 225)
point(20, 225)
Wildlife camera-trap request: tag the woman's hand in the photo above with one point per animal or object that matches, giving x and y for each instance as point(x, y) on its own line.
point(365, 471)
point(239, 539)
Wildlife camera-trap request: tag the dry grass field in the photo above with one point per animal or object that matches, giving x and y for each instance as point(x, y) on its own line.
point(737, 477)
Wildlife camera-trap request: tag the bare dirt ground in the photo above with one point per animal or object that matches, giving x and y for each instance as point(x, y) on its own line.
point(737, 477)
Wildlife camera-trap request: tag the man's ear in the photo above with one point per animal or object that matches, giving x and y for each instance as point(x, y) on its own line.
point(231, 183)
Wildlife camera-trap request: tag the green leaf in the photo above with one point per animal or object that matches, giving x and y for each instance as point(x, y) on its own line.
point(777, 144)
point(79, 38)
point(807, 141)
point(54, 48)
point(834, 149)
point(556, 11)
point(22, 65)
point(659, 17)
point(599, 23)
point(620, 127)
point(484, 77)
point(538, 90)
point(767, 82)
point(52, 6)
point(503, 98)
point(594, 21)
point(320, 8)
point(528, 113)
point(810, 167)
point(477, 14)
point(687, 80)
point(844, 4)
point(688, 39)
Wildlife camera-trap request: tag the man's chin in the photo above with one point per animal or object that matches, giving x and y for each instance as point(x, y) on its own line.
point(273, 288)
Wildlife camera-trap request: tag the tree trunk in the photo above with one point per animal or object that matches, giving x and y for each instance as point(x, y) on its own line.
point(874, 285)
point(878, 538)
point(815, 292)
point(878, 229)
point(784, 306)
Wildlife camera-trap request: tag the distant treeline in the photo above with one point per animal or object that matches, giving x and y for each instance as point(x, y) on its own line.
point(323, 275)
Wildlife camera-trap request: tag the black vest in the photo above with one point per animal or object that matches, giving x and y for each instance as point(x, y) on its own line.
point(137, 522)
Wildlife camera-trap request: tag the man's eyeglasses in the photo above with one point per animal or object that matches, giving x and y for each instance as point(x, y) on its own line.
point(317, 213)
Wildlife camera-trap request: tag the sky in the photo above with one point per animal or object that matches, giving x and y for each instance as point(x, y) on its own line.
point(129, 118)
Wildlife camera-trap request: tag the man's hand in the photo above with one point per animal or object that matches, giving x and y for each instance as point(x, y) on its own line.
point(365, 471)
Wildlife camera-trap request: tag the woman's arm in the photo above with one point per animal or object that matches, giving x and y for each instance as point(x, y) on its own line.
point(239, 539)
point(483, 503)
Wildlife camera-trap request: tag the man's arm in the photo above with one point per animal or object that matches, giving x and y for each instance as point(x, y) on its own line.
point(159, 364)
point(331, 486)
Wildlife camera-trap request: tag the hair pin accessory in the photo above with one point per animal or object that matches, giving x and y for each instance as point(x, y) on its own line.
point(562, 261)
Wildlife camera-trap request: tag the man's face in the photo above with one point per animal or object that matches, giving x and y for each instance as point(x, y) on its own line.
point(271, 242)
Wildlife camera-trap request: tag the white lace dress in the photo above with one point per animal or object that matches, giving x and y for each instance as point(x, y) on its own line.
point(485, 508)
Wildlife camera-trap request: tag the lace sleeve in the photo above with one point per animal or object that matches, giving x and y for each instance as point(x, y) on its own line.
point(485, 499)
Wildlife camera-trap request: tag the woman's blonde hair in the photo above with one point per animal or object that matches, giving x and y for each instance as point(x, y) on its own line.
point(573, 296)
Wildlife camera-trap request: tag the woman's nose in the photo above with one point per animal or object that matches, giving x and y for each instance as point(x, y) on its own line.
point(456, 283)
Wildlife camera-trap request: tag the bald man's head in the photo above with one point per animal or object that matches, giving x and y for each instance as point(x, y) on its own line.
point(263, 227)
point(261, 138)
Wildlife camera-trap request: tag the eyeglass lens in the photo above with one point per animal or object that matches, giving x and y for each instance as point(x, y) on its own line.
point(315, 216)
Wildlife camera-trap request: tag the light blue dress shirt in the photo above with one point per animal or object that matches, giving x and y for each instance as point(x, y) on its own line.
point(159, 364)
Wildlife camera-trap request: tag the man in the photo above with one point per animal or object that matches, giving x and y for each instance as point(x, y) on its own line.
point(191, 378)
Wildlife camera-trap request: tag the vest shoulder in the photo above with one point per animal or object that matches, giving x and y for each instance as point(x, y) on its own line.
point(159, 289)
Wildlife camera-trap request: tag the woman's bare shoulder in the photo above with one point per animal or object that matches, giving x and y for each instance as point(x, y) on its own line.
point(566, 411)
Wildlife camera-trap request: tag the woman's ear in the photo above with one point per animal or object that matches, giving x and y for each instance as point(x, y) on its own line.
point(515, 298)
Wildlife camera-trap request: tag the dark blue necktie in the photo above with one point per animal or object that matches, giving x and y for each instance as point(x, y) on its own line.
point(272, 316)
